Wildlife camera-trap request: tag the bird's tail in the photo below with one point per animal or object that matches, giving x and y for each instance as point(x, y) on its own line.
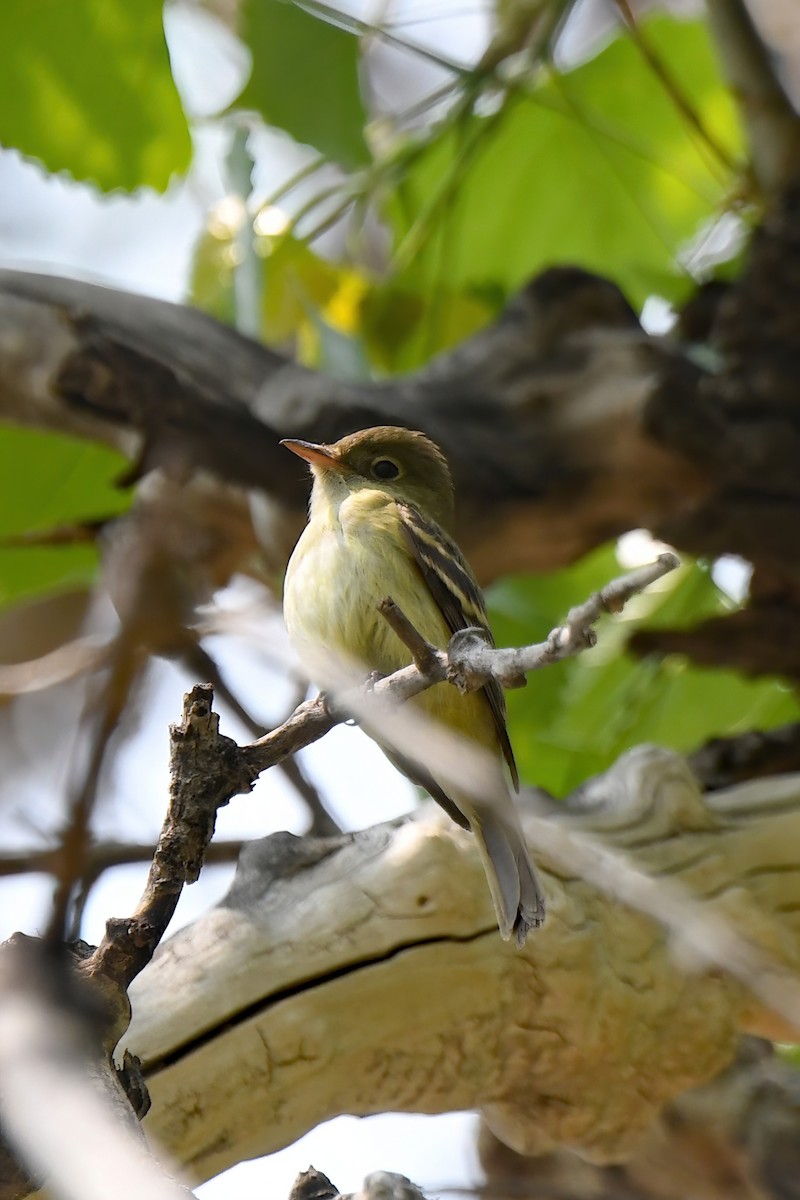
point(516, 891)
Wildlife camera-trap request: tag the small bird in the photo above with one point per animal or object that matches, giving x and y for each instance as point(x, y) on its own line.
point(381, 502)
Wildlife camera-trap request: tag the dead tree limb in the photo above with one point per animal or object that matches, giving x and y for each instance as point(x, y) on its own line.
point(364, 974)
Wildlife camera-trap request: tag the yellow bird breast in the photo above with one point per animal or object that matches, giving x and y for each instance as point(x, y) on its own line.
point(347, 560)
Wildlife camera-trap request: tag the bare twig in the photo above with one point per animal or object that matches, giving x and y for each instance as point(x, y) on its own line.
point(472, 661)
point(322, 823)
point(61, 665)
point(104, 856)
point(426, 657)
point(469, 663)
point(101, 717)
point(205, 771)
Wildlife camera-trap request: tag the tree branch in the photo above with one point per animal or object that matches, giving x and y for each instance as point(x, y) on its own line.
point(773, 125)
point(61, 1103)
point(573, 425)
point(204, 771)
point(322, 952)
point(550, 452)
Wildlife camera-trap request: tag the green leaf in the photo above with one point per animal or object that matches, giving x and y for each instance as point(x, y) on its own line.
point(596, 167)
point(86, 87)
point(305, 79)
point(36, 570)
point(48, 480)
point(404, 329)
point(297, 285)
point(211, 279)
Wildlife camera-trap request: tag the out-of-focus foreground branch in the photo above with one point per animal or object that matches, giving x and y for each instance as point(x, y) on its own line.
point(63, 1110)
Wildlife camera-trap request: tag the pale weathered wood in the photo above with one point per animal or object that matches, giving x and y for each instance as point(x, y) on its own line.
point(364, 974)
point(734, 1138)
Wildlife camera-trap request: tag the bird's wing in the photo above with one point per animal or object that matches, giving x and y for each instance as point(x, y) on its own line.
point(456, 592)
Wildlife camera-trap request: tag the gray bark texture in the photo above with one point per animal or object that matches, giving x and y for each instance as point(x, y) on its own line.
point(365, 974)
point(564, 422)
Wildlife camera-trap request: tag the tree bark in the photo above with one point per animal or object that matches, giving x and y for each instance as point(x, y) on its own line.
point(364, 974)
point(565, 425)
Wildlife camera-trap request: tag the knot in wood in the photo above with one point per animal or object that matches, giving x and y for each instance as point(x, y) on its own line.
point(469, 659)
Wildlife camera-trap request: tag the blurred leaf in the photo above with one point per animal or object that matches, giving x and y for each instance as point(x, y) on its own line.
point(211, 280)
point(305, 79)
point(310, 307)
point(595, 167)
point(86, 87)
point(339, 355)
point(35, 570)
point(297, 284)
point(47, 480)
point(573, 720)
point(404, 329)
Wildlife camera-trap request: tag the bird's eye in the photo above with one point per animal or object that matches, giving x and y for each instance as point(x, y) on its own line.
point(385, 468)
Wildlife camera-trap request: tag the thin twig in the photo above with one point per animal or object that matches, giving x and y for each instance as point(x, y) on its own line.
point(102, 715)
point(672, 87)
point(205, 770)
point(473, 661)
point(321, 823)
point(365, 28)
point(105, 856)
point(208, 769)
point(468, 663)
point(425, 656)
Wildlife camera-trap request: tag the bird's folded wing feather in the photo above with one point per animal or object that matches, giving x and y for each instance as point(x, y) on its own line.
point(453, 587)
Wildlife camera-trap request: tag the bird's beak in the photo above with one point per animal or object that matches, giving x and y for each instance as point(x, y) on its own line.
point(312, 452)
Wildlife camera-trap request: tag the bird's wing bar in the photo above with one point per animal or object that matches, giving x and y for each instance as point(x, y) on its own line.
point(453, 587)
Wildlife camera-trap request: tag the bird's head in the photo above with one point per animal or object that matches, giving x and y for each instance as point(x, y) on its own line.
point(401, 462)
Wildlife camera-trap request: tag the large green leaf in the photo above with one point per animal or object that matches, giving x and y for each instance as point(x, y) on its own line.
point(305, 78)
point(49, 480)
point(37, 570)
point(404, 329)
point(597, 166)
point(86, 87)
point(574, 719)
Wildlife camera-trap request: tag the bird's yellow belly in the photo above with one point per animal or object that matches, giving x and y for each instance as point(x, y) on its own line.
point(335, 581)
